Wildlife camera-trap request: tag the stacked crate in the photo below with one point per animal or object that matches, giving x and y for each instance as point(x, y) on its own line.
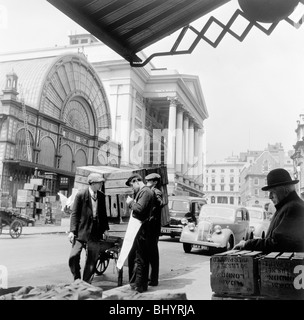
point(29, 200)
point(115, 188)
point(240, 274)
point(52, 209)
point(235, 273)
point(5, 199)
point(282, 275)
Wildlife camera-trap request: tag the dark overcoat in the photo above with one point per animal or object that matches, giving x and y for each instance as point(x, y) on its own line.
point(81, 222)
point(286, 230)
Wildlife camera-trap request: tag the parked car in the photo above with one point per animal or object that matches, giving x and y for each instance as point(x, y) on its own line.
point(181, 207)
point(219, 227)
point(259, 221)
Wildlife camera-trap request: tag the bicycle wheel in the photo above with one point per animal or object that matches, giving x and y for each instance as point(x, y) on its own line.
point(102, 265)
point(15, 229)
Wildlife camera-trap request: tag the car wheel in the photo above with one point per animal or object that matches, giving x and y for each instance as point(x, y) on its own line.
point(172, 236)
point(187, 247)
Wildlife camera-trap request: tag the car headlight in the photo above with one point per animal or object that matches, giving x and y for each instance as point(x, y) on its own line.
point(217, 229)
point(184, 221)
point(191, 226)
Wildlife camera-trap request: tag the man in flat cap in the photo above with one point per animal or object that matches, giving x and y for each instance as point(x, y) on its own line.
point(153, 182)
point(88, 225)
point(286, 230)
point(141, 206)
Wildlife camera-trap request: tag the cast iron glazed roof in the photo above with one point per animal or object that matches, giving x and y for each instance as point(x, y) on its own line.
point(129, 26)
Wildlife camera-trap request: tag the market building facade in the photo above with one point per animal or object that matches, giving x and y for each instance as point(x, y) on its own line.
point(82, 104)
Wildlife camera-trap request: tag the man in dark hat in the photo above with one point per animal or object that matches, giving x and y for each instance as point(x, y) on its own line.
point(153, 181)
point(286, 230)
point(141, 206)
point(88, 225)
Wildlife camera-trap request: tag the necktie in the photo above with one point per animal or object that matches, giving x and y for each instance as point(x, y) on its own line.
point(94, 197)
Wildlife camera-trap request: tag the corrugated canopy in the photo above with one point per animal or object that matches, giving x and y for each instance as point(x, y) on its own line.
point(129, 26)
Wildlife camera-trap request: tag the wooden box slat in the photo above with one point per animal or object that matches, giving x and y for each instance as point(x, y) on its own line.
point(281, 275)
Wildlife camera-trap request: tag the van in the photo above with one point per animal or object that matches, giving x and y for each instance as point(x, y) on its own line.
point(181, 207)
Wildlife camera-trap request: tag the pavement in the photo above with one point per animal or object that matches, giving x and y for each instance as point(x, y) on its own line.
point(192, 283)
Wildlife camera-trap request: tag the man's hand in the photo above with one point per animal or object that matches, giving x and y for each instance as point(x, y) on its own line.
point(71, 237)
point(106, 234)
point(240, 245)
point(129, 200)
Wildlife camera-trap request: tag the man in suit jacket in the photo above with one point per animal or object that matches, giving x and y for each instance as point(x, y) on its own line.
point(88, 225)
point(153, 181)
point(141, 207)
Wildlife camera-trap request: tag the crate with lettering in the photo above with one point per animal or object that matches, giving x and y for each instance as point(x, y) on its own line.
point(235, 272)
point(282, 275)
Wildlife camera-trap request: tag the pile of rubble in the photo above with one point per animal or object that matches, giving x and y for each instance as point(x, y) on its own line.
point(78, 290)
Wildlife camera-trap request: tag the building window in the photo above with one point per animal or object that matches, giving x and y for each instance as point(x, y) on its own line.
point(231, 188)
point(256, 181)
point(213, 170)
point(256, 191)
point(265, 166)
point(231, 200)
point(213, 180)
point(222, 180)
point(231, 179)
point(232, 170)
point(222, 200)
point(222, 188)
point(222, 170)
point(213, 188)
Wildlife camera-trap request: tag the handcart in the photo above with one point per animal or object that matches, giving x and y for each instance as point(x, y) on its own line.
point(10, 218)
point(110, 249)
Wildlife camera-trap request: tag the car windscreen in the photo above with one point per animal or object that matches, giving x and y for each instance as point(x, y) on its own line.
point(217, 212)
point(255, 215)
point(179, 205)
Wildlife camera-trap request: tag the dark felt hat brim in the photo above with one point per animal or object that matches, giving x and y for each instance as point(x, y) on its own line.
point(279, 184)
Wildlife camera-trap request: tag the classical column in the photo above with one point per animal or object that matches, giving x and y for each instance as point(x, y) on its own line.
point(195, 154)
point(200, 166)
point(185, 143)
point(171, 142)
point(191, 149)
point(179, 140)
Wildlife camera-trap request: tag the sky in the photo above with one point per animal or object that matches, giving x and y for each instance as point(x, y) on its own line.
point(253, 90)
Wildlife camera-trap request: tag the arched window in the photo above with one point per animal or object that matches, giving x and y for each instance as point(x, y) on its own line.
point(21, 146)
point(47, 153)
point(80, 159)
point(66, 160)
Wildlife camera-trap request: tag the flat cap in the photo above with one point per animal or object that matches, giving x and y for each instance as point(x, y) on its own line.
point(95, 177)
point(133, 176)
point(152, 176)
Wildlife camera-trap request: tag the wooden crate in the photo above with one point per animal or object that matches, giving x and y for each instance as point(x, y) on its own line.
point(282, 275)
point(235, 272)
